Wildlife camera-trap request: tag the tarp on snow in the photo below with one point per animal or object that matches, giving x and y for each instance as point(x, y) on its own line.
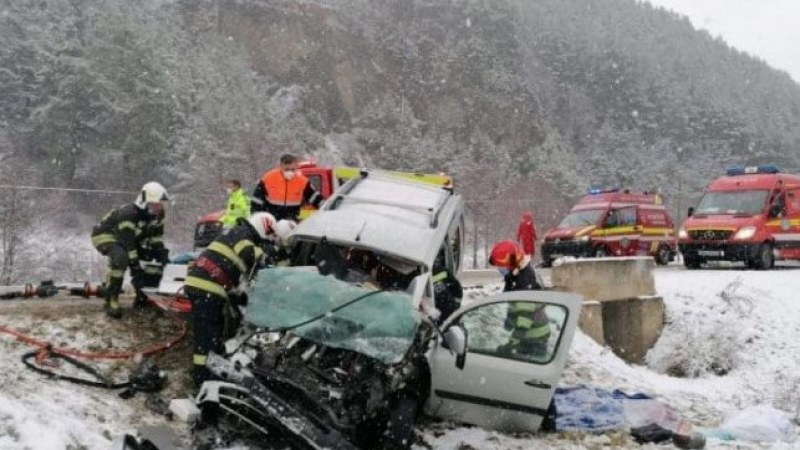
point(379, 324)
point(595, 409)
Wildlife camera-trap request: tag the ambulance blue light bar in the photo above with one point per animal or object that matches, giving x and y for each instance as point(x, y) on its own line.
point(741, 170)
point(593, 190)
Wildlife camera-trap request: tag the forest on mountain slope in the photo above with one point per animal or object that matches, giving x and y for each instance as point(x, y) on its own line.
point(524, 102)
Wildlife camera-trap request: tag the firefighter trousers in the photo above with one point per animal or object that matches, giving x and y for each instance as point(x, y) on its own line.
point(208, 325)
point(117, 263)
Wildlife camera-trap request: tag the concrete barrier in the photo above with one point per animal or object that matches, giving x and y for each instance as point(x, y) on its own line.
point(621, 309)
point(605, 279)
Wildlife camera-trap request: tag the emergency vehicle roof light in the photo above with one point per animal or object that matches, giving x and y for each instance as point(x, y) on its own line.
point(593, 190)
point(741, 170)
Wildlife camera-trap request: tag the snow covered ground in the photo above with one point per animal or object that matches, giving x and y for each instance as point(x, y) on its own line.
point(732, 341)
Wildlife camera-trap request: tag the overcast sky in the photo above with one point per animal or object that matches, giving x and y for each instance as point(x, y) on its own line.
point(769, 29)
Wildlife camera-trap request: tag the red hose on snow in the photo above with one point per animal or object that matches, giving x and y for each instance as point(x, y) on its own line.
point(127, 354)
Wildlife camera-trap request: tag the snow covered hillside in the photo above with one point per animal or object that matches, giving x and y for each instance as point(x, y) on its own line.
point(731, 342)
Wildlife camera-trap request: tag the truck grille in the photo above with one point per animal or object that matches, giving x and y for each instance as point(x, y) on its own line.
point(710, 235)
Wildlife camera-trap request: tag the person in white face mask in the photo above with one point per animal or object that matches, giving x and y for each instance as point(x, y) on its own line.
point(283, 190)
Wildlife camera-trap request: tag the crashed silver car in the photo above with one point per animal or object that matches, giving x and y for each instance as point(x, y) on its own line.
point(340, 352)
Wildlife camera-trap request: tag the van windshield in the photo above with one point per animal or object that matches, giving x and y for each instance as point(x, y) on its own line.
point(581, 218)
point(732, 202)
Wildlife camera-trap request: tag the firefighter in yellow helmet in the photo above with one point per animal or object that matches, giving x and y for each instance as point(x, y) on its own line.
point(123, 232)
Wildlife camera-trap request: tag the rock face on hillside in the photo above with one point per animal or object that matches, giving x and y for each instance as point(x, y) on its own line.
point(512, 97)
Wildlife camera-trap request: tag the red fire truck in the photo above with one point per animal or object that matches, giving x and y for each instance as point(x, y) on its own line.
point(613, 223)
point(751, 215)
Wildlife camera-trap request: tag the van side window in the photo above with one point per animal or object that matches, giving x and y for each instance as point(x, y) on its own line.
point(793, 202)
point(622, 217)
point(454, 238)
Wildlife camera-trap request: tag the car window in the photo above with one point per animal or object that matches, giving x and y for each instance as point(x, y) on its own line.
point(621, 217)
point(793, 202)
point(522, 331)
point(315, 180)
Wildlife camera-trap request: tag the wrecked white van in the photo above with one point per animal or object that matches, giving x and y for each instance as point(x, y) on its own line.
point(339, 352)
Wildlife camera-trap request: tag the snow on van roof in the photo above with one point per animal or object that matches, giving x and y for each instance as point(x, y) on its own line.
point(395, 216)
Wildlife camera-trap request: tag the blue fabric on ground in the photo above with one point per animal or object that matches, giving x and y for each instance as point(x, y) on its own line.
point(592, 409)
point(184, 258)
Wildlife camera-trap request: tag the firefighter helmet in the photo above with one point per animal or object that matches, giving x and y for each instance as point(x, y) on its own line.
point(283, 229)
point(506, 254)
point(262, 222)
point(152, 192)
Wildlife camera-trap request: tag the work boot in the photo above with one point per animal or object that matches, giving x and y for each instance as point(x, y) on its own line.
point(140, 302)
point(113, 309)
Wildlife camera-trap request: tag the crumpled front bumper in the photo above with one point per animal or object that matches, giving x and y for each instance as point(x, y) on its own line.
point(255, 404)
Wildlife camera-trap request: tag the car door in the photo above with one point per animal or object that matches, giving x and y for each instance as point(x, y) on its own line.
point(501, 387)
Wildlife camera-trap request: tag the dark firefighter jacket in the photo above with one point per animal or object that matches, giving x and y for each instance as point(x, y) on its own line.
point(283, 198)
point(231, 258)
point(528, 321)
point(523, 280)
point(131, 227)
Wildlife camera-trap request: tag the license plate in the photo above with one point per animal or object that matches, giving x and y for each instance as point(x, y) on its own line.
point(711, 253)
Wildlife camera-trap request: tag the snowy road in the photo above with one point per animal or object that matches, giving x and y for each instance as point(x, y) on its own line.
point(731, 341)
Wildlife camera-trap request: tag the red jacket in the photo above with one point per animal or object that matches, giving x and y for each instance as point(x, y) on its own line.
point(526, 235)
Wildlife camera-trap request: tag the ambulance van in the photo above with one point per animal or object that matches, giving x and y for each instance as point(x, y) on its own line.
point(613, 223)
point(751, 215)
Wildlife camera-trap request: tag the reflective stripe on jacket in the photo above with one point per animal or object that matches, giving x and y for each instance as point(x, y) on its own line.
point(232, 257)
point(529, 321)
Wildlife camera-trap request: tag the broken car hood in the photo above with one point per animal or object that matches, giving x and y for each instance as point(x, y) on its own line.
point(381, 325)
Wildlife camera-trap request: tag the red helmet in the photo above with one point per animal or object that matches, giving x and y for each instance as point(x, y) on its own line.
point(506, 254)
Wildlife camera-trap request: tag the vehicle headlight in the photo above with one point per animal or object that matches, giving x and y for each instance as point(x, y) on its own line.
point(583, 239)
point(745, 232)
point(682, 233)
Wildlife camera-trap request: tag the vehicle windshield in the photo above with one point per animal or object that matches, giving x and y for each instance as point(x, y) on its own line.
point(732, 202)
point(581, 218)
point(382, 325)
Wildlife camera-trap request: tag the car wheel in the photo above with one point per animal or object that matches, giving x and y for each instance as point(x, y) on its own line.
point(765, 259)
point(399, 433)
point(547, 262)
point(662, 256)
point(600, 252)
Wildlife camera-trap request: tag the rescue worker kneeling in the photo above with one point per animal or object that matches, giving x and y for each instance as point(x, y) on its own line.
point(528, 322)
point(215, 281)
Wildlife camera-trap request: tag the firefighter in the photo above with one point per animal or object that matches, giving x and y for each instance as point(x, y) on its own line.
point(153, 254)
point(238, 205)
point(217, 281)
point(122, 232)
point(528, 322)
point(283, 190)
point(526, 234)
point(446, 288)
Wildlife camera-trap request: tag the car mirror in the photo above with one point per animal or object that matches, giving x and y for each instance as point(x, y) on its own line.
point(690, 211)
point(456, 340)
point(775, 211)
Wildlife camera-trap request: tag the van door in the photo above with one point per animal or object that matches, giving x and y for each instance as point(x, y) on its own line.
point(507, 378)
point(786, 226)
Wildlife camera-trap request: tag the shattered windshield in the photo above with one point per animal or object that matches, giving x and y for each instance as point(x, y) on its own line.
point(581, 218)
point(732, 202)
point(381, 325)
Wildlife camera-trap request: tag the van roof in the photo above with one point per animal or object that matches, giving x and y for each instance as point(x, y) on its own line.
point(403, 218)
point(754, 181)
point(619, 200)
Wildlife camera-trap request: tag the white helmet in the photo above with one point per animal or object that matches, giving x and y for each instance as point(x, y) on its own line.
point(152, 192)
point(263, 223)
point(283, 229)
